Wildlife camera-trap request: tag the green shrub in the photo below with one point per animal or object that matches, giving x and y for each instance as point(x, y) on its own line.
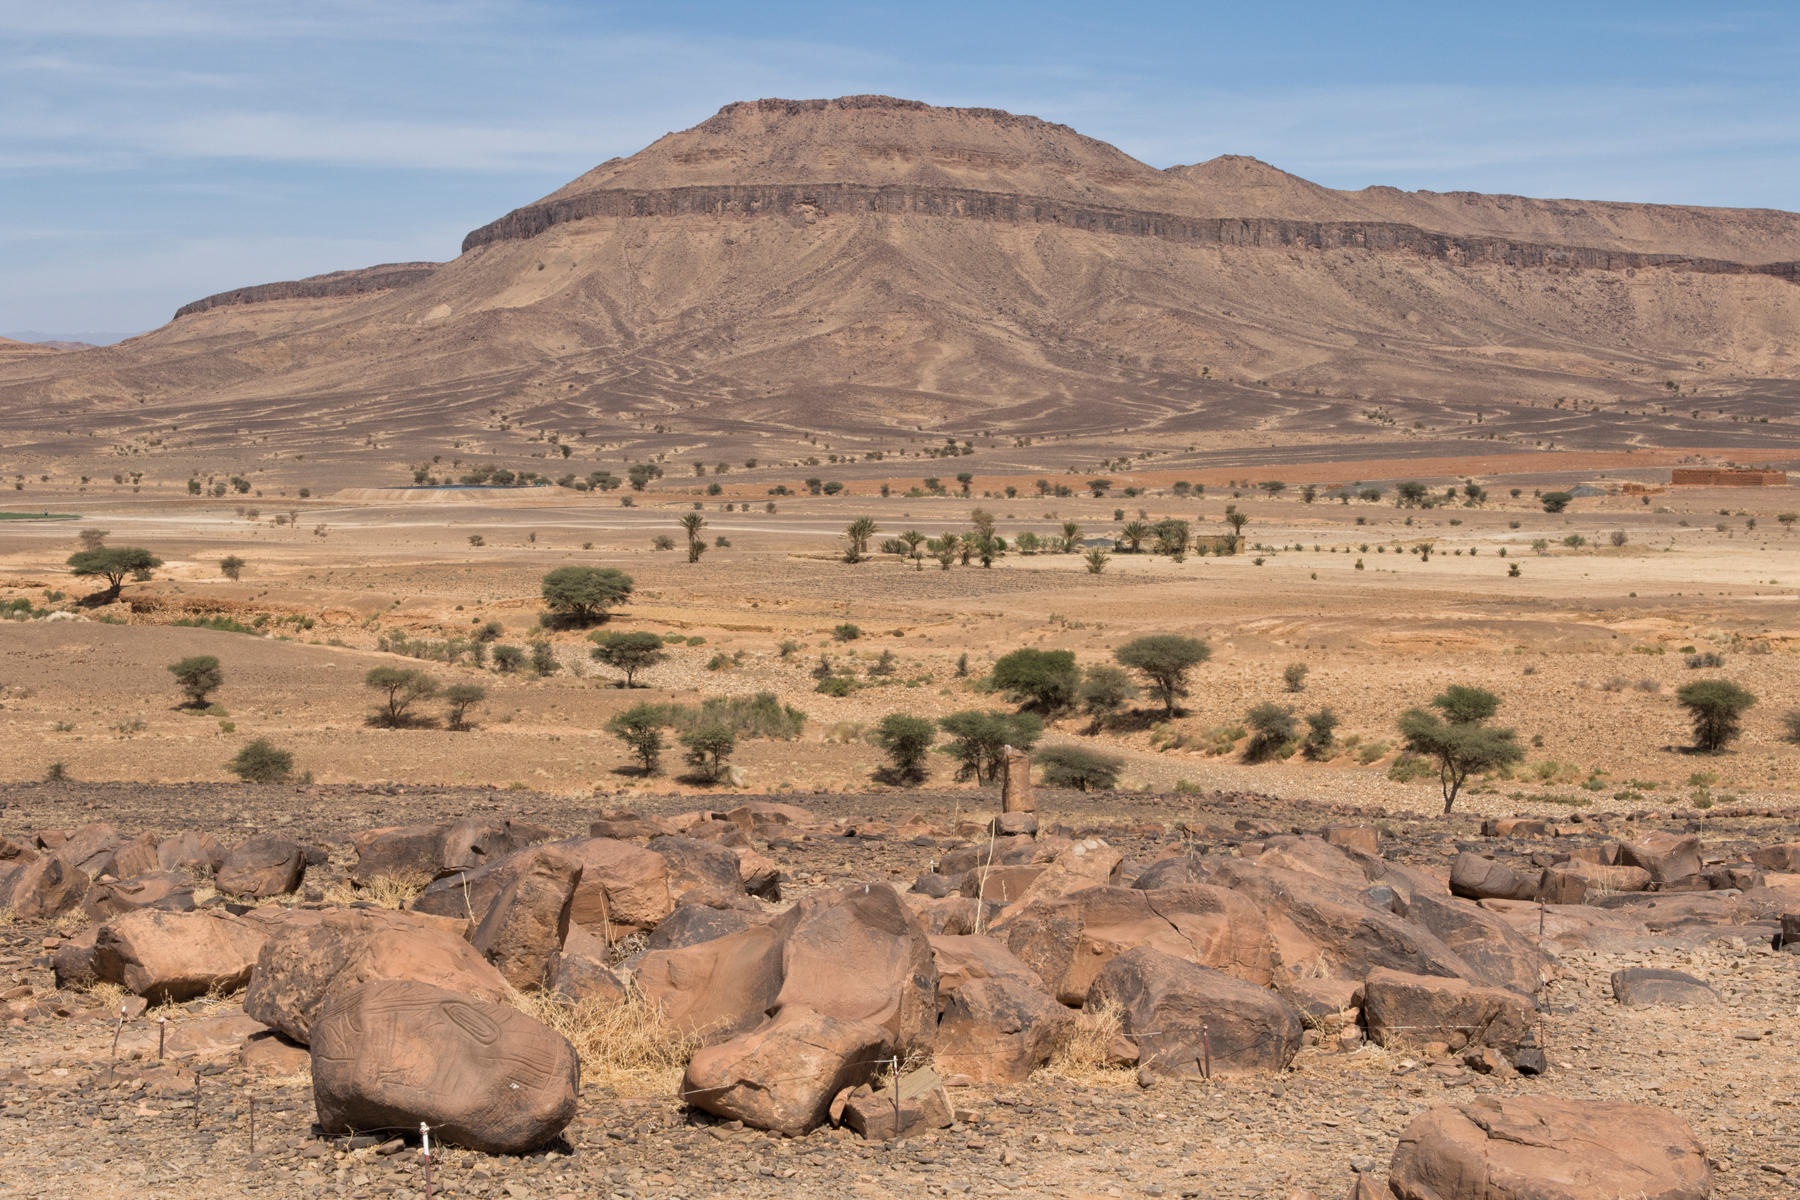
point(708, 748)
point(1079, 767)
point(906, 741)
point(262, 762)
point(978, 740)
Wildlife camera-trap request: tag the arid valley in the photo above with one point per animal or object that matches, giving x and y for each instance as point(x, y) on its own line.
point(861, 417)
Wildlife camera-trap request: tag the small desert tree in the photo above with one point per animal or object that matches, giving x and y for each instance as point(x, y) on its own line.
point(113, 563)
point(914, 539)
point(640, 728)
point(1321, 735)
point(1079, 767)
point(1271, 727)
point(708, 746)
point(461, 697)
point(1097, 558)
point(906, 741)
point(93, 539)
point(232, 567)
point(1103, 693)
point(628, 652)
point(401, 688)
point(1716, 707)
point(582, 595)
point(978, 740)
point(1458, 739)
point(198, 676)
point(1043, 680)
point(1165, 661)
point(1555, 502)
point(261, 762)
point(1133, 535)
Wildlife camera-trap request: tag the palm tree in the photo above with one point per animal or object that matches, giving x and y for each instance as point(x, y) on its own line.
point(1133, 536)
point(913, 538)
point(693, 523)
point(1071, 536)
point(859, 533)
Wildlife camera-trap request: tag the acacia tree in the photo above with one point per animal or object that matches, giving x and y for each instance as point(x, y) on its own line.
point(198, 676)
point(1716, 707)
point(1164, 660)
point(640, 728)
point(113, 563)
point(402, 687)
point(1458, 738)
point(979, 740)
point(582, 595)
point(628, 652)
point(1043, 680)
point(461, 697)
point(905, 740)
point(232, 567)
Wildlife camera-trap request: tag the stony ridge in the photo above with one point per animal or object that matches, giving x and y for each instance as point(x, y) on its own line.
point(1259, 232)
point(380, 278)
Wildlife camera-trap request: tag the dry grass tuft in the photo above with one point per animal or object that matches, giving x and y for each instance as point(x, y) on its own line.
point(1081, 1053)
point(387, 891)
point(626, 1045)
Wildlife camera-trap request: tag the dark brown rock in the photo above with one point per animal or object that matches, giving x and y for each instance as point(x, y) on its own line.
point(1478, 878)
point(1546, 1148)
point(266, 865)
point(1186, 1019)
point(784, 1075)
point(1644, 987)
point(167, 957)
point(393, 1053)
point(1403, 1009)
point(998, 1029)
point(524, 928)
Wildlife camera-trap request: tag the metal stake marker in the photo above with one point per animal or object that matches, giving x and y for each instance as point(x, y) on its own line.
point(253, 1124)
point(196, 1097)
point(425, 1149)
point(162, 1033)
point(1541, 911)
point(117, 1030)
point(896, 1097)
point(1206, 1049)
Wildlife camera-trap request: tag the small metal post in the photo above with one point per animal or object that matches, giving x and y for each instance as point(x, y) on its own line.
point(1206, 1050)
point(117, 1030)
point(425, 1150)
point(196, 1097)
point(896, 1097)
point(162, 1033)
point(253, 1124)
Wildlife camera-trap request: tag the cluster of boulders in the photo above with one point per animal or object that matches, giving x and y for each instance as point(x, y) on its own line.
point(1199, 962)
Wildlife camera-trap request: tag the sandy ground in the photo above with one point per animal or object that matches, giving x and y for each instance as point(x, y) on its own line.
point(1586, 646)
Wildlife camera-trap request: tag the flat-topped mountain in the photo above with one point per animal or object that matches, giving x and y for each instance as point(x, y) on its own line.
point(867, 264)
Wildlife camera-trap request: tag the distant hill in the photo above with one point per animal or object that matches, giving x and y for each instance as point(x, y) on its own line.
point(867, 264)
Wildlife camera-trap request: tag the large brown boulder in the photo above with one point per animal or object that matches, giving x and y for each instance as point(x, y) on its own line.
point(1783, 857)
point(44, 887)
point(783, 1075)
point(716, 989)
point(304, 966)
point(1179, 1014)
point(136, 857)
point(423, 852)
point(91, 850)
point(266, 865)
point(73, 962)
point(1478, 878)
point(1647, 987)
point(1403, 1009)
point(1548, 1148)
point(188, 851)
point(1666, 857)
point(158, 889)
point(392, 1053)
point(524, 928)
point(173, 956)
point(1491, 951)
point(624, 888)
point(962, 958)
point(860, 954)
point(1068, 940)
point(855, 954)
point(998, 1029)
point(693, 863)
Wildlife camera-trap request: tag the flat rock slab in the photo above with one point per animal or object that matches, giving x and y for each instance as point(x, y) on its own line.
point(1642, 987)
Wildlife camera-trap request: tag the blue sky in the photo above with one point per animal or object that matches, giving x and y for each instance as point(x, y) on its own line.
point(153, 151)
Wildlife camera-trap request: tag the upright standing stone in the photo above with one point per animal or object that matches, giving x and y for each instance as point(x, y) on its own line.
point(1015, 783)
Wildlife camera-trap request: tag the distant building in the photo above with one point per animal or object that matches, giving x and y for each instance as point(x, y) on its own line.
point(1727, 477)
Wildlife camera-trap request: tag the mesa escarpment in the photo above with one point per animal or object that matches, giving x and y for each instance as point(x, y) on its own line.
point(360, 282)
point(868, 265)
point(813, 200)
